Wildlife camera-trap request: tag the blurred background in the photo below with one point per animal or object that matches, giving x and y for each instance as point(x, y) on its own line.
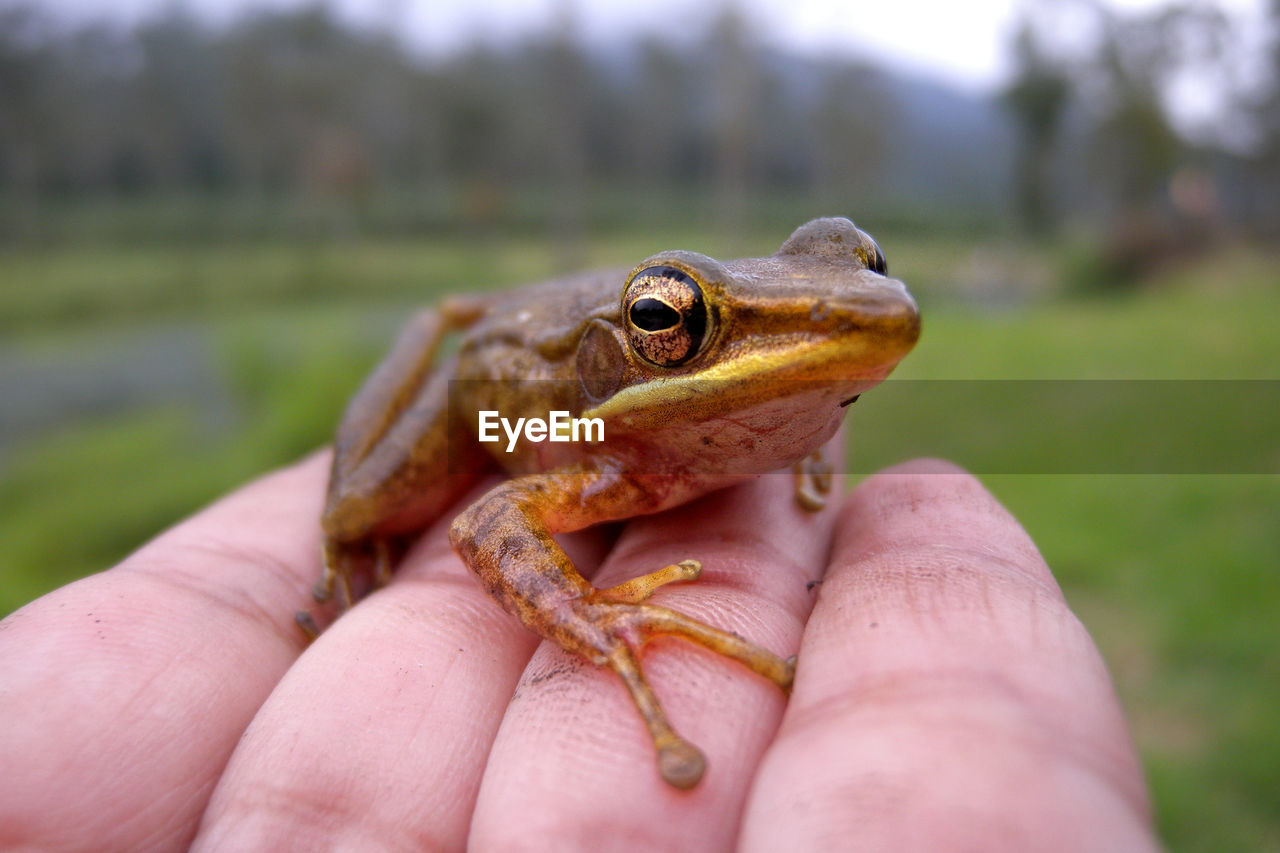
point(213, 216)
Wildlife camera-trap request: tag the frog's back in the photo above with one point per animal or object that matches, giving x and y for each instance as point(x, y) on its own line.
point(532, 333)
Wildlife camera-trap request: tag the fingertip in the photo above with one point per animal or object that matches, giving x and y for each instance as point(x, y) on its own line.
point(941, 659)
point(923, 465)
point(681, 764)
point(931, 504)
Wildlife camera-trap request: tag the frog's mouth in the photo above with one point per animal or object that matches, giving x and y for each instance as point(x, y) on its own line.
point(729, 387)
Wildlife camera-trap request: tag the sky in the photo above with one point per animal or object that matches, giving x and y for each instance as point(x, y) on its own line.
point(963, 42)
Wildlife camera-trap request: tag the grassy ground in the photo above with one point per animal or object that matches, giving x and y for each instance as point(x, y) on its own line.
point(1176, 575)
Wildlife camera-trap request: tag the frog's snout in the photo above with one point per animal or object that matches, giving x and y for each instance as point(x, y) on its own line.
point(874, 306)
point(898, 313)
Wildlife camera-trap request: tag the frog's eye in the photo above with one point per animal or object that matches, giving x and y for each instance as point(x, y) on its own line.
point(653, 315)
point(875, 259)
point(666, 319)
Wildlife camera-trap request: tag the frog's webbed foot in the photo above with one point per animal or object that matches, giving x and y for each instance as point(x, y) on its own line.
point(627, 625)
point(343, 564)
point(813, 481)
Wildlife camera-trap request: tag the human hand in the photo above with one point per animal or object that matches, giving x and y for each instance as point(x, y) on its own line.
point(946, 697)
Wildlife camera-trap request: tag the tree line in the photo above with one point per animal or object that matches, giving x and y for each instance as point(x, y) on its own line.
point(284, 101)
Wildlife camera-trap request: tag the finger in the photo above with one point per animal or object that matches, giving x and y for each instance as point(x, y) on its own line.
point(125, 692)
point(377, 738)
point(574, 761)
point(946, 698)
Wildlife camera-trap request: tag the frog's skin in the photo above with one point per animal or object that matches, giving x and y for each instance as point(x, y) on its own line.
point(754, 377)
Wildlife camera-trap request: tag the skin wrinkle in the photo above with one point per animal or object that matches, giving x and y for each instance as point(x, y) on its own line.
point(1040, 746)
point(866, 518)
point(1071, 633)
point(937, 699)
point(233, 600)
point(764, 573)
point(136, 705)
point(441, 607)
point(952, 580)
point(175, 830)
point(330, 818)
point(763, 621)
point(883, 582)
point(176, 824)
point(586, 741)
point(1027, 563)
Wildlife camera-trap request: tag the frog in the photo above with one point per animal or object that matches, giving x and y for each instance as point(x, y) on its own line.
point(702, 373)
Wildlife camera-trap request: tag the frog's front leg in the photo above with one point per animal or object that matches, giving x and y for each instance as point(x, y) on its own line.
point(506, 539)
point(813, 481)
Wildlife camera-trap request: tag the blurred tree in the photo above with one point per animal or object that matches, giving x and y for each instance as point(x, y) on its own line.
point(734, 82)
point(177, 103)
point(296, 99)
point(1266, 126)
point(848, 133)
point(26, 122)
point(659, 137)
point(562, 124)
point(1036, 98)
point(1139, 55)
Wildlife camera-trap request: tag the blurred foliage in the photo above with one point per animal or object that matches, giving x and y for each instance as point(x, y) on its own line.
point(1097, 133)
point(339, 130)
point(294, 101)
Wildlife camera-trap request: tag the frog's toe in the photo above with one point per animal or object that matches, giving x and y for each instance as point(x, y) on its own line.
point(307, 623)
point(340, 562)
point(322, 590)
point(813, 481)
point(639, 589)
point(654, 621)
point(681, 764)
point(382, 563)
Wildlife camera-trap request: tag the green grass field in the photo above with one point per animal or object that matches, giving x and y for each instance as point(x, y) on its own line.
point(1176, 575)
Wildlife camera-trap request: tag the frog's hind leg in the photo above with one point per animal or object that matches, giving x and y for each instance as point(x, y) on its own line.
point(680, 763)
point(506, 537)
